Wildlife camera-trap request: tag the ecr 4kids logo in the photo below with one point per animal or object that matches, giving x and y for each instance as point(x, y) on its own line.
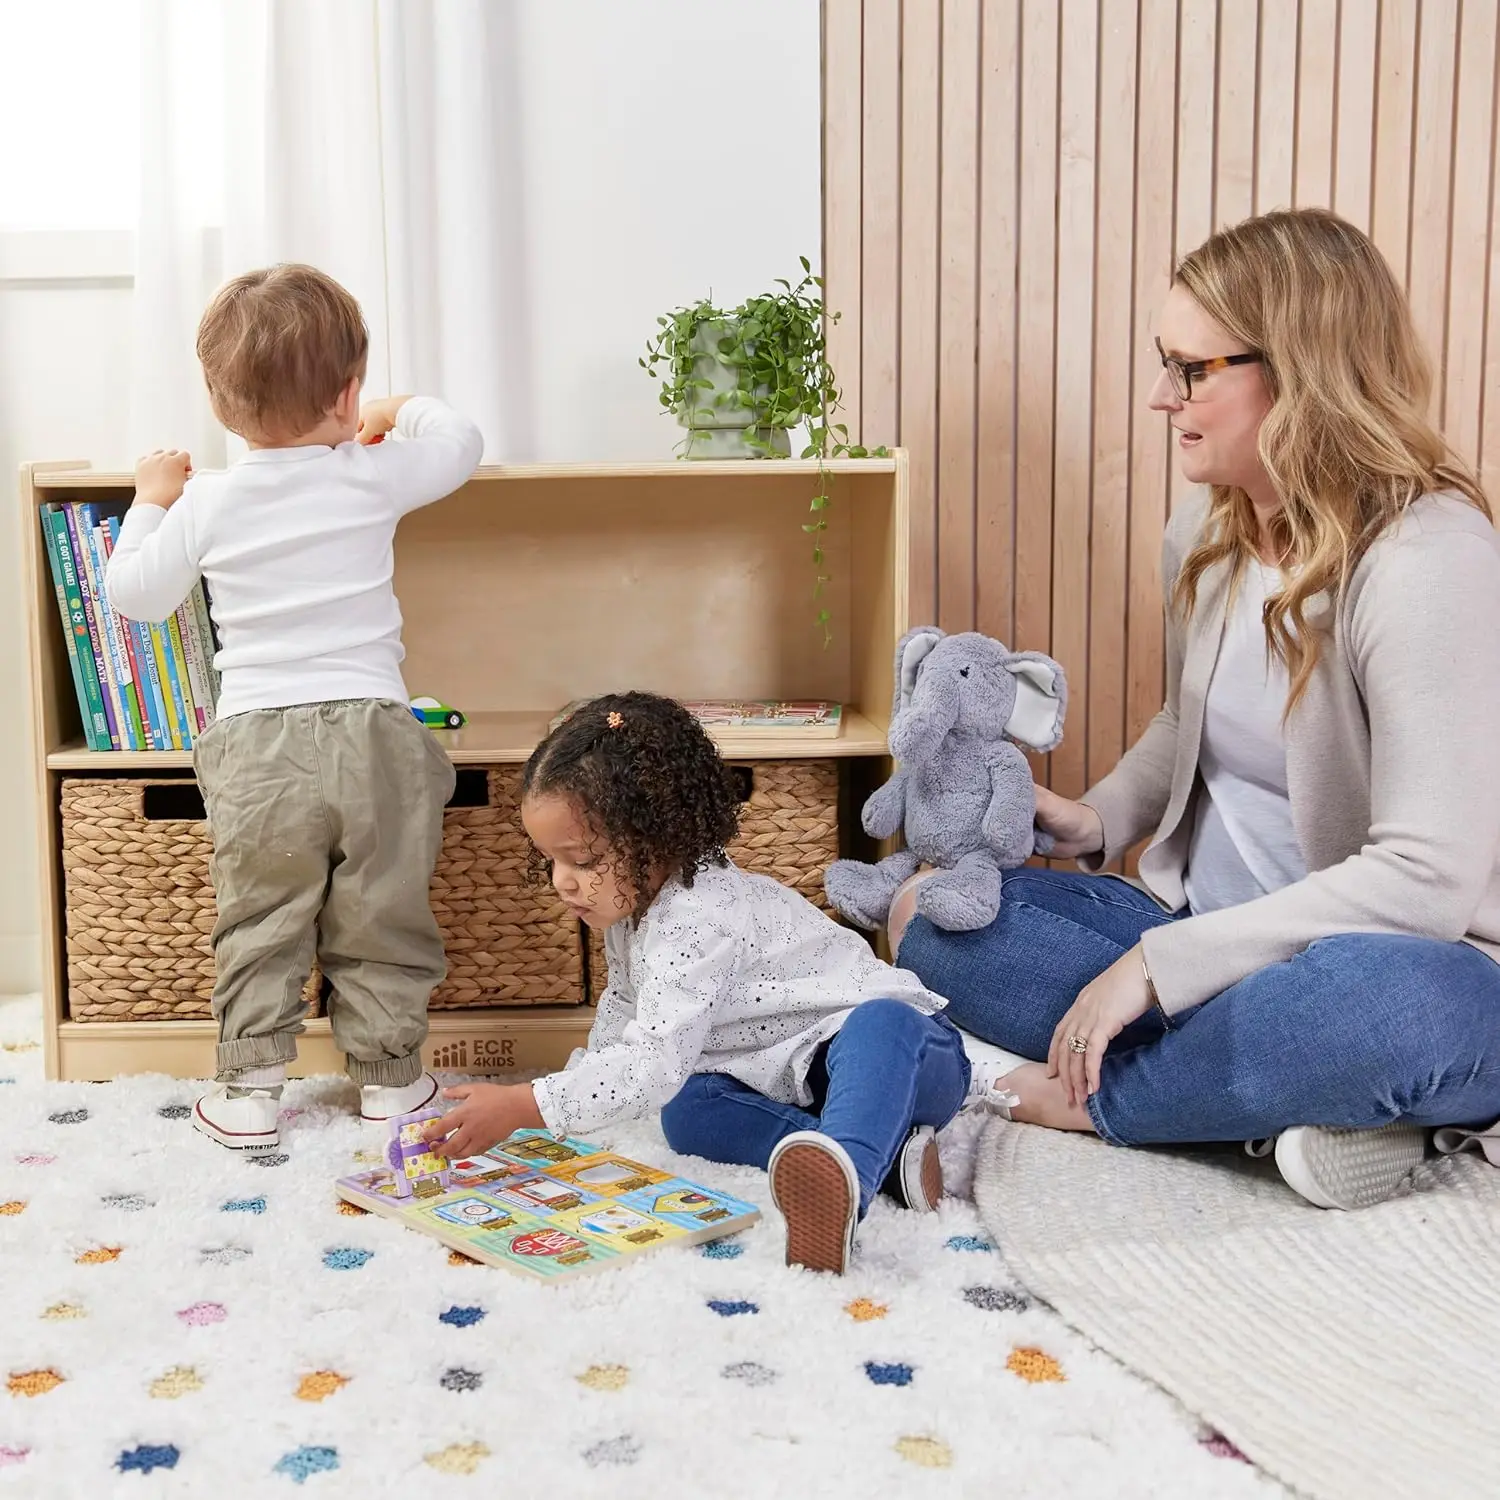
point(485, 1054)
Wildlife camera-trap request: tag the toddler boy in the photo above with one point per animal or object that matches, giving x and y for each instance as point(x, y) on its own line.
point(324, 794)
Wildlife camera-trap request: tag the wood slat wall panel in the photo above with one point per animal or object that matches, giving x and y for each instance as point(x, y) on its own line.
point(1007, 185)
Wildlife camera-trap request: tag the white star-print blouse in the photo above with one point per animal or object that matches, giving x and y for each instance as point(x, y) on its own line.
point(737, 975)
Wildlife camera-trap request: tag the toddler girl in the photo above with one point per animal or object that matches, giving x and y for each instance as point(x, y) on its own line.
point(764, 1032)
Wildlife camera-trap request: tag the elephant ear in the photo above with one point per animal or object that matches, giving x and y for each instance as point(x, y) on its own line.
point(1041, 700)
point(910, 651)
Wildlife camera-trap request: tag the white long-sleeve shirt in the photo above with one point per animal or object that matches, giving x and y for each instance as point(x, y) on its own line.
point(296, 546)
point(737, 975)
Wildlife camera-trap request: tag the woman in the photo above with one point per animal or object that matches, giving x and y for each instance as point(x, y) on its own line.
point(1314, 954)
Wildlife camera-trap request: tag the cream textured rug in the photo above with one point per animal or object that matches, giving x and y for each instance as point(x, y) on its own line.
point(179, 1322)
point(1348, 1354)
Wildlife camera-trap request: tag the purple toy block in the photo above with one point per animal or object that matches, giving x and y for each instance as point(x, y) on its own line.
point(416, 1167)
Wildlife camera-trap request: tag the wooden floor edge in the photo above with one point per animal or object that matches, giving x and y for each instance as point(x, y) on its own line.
point(489, 1042)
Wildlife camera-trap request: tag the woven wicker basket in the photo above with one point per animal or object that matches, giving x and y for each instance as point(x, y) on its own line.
point(789, 829)
point(509, 941)
point(139, 905)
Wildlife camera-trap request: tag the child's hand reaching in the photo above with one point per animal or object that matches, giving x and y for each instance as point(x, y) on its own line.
point(490, 1113)
point(160, 477)
point(378, 417)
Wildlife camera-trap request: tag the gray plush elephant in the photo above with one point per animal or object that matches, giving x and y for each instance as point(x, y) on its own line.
point(962, 791)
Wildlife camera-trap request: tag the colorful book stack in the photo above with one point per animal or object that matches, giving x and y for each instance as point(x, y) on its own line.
point(140, 687)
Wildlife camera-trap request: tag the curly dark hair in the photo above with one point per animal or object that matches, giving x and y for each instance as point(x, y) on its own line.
point(647, 780)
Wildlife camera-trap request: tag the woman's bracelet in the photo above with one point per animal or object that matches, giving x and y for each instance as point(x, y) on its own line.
point(1151, 984)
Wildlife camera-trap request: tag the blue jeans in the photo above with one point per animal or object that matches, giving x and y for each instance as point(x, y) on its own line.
point(888, 1067)
point(1357, 1030)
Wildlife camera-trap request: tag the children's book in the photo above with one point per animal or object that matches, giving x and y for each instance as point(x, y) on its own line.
point(551, 1208)
point(773, 718)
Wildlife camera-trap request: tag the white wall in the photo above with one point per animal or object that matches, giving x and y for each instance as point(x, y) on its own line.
point(669, 149)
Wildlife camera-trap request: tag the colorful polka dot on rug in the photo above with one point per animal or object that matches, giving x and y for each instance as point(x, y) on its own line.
point(620, 1450)
point(35, 1159)
point(967, 1242)
point(732, 1309)
point(302, 1463)
point(996, 1299)
point(346, 1258)
point(100, 1255)
point(11, 1456)
point(350, 1210)
point(461, 1317)
point(747, 1372)
point(458, 1379)
point(148, 1457)
point(273, 1159)
point(888, 1374)
point(605, 1377)
point(458, 1458)
point(174, 1111)
point(1220, 1446)
point(203, 1314)
point(243, 1206)
point(369, 1158)
point(179, 1381)
point(223, 1255)
point(925, 1452)
point(1034, 1365)
point(722, 1250)
point(14, 1207)
point(33, 1382)
point(320, 1385)
point(862, 1310)
point(69, 1117)
point(130, 1203)
point(64, 1312)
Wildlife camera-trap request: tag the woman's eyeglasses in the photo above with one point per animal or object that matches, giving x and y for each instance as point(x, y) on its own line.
point(1183, 372)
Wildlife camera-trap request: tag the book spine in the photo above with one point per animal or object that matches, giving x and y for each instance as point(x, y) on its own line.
point(186, 628)
point(142, 662)
point(75, 665)
point(116, 661)
point(177, 673)
point(137, 699)
point(86, 594)
point(161, 650)
point(206, 640)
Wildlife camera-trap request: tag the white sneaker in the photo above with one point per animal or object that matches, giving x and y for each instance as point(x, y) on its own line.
point(380, 1102)
point(1453, 1138)
point(918, 1171)
point(1348, 1168)
point(985, 1079)
point(243, 1119)
point(814, 1184)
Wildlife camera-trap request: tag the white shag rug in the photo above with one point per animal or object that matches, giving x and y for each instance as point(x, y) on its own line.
point(1350, 1354)
point(178, 1321)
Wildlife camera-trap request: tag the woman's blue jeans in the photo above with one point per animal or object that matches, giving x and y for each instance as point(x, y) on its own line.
point(1357, 1030)
point(888, 1067)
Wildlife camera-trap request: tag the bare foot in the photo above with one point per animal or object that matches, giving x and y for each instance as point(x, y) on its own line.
point(1042, 1101)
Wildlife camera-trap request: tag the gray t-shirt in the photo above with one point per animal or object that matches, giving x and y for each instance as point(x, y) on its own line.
point(1243, 844)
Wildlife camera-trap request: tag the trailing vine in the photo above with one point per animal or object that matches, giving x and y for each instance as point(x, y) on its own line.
point(774, 344)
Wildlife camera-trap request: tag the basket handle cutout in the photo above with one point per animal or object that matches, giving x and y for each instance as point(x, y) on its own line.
point(172, 802)
point(471, 788)
point(744, 781)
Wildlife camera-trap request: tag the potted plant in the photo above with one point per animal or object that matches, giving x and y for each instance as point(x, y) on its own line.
point(740, 379)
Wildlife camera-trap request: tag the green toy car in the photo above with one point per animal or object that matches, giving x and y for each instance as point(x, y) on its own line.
point(436, 715)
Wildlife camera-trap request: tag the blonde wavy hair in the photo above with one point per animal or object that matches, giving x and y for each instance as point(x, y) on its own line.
point(1346, 442)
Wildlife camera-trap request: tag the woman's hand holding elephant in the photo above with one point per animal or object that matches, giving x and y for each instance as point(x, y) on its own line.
point(1075, 827)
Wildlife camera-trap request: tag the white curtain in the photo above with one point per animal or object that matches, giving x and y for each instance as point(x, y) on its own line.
point(375, 139)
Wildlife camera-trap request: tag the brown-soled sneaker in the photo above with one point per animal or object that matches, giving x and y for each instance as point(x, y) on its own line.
point(814, 1184)
point(919, 1171)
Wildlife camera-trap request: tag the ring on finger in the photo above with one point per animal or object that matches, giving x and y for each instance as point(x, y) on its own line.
point(1078, 1044)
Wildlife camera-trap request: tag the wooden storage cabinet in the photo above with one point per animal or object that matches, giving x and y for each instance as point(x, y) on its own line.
point(527, 588)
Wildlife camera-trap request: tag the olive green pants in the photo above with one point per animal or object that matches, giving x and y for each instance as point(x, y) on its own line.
point(327, 819)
